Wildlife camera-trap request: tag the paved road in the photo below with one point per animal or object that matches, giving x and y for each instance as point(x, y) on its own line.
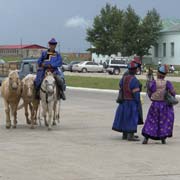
point(83, 146)
point(106, 75)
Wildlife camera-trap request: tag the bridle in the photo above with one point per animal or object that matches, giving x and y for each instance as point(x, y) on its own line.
point(46, 92)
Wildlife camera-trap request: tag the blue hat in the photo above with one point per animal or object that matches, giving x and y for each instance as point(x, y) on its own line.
point(52, 41)
point(163, 69)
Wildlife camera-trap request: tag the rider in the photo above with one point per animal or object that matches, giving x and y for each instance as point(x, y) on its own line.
point(50, 60)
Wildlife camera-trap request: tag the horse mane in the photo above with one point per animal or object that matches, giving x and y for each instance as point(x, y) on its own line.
point(13, 73)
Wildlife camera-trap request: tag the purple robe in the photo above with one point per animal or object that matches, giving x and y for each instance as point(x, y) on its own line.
point(160, 118)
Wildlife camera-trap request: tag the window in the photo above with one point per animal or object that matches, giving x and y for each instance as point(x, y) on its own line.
point(172, 49)
point(89, 63)
point(156, 49)
point(164, 49)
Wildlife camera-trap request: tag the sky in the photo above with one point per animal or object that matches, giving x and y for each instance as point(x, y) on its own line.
point(37, 21)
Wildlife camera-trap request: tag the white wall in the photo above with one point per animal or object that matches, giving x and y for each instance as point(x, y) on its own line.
point(168, 38)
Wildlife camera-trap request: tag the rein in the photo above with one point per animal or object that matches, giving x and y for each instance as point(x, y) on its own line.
point(46, 93)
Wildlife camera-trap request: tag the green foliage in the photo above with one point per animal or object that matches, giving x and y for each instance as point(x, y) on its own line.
point(130, 32)
point(106, 33)
point(148, 33)
point(115, 31)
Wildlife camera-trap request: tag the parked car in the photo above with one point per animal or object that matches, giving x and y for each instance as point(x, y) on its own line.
point(64, 66)
point(88, 66)
point(68, 67)
point(113, 66)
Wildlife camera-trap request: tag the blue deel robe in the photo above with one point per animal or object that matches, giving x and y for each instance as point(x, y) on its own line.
point(127, 113)
point(54, 60)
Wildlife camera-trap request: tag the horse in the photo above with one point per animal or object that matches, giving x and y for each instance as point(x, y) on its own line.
point(28, 95)
point(48, 96)
point(11, 93)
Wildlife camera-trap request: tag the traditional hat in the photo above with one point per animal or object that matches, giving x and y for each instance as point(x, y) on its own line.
point(137, 60)
point(52, 41)
point(132, 65)
point(163, 69)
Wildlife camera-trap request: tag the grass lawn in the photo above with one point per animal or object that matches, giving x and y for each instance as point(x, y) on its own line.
point(103, 83)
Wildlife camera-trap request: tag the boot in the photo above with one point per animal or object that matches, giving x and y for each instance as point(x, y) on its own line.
point(124, 136)
point(63, 96)
point(145, 141)
point(163, 141)
point(130, 137)
point(60, 85)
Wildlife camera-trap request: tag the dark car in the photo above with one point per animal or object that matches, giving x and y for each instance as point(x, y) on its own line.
point(28, 66)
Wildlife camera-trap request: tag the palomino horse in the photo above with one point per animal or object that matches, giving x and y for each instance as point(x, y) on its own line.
point(28, 95)
point(11, 93)
point(48, 96)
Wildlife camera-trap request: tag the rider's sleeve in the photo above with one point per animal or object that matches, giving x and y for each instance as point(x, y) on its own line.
point(41, 59)
point(56, 62)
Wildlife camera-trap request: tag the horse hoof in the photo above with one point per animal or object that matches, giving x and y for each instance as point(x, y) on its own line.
point(49, 129)
point(8, 126)
point(32, 127)
point(28, 122)
point(14, 126)
point(54, 123)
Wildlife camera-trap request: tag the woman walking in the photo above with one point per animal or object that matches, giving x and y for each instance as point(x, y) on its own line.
point(160, 118)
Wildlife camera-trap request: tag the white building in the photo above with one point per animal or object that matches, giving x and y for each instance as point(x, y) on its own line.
point(168, 47)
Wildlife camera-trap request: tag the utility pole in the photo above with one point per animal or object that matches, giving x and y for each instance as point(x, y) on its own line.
point(21, 48)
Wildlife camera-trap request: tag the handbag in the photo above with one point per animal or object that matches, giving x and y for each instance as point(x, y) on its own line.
point(120, 97)
point(169, 99)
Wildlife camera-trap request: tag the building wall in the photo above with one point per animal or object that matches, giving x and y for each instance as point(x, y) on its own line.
point(168, 38)
point(9, 52)
point(85, 56)
point(31, 53)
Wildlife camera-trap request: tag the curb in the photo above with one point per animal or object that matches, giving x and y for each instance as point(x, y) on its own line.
point(101, 90)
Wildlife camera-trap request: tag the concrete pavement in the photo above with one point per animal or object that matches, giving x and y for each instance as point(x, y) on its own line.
point(83, 146)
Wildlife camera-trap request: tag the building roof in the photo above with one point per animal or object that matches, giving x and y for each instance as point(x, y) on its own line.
point(171, 25)
point(27, 46)
point(175, 28)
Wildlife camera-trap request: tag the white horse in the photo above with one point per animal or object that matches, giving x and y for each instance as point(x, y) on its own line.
point(48, 96)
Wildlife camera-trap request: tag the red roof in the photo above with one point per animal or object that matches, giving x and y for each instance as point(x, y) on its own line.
point(27, 46)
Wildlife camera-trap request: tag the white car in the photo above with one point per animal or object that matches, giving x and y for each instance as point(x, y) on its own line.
point(88, 66)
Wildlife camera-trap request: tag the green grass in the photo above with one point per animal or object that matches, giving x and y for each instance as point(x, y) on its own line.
point(7, 59)
point(103, 83)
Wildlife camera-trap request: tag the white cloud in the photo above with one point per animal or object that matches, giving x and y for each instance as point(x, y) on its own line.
point(77, 22)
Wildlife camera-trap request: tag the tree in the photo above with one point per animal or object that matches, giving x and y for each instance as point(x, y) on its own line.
point(106, 33)
point(148, 34)
point(130, 32)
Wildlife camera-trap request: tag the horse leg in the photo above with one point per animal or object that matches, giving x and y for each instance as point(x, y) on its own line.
point(32, 115)
point(14, 109)
point(7, 111)
point(50, 110)
point(54, 114)
point(26, 113)
point(35, 105)
point(44, 115)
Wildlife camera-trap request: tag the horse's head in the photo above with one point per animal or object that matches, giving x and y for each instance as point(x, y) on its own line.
point(49, 83)
point(28, 84)
point(14, 80)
